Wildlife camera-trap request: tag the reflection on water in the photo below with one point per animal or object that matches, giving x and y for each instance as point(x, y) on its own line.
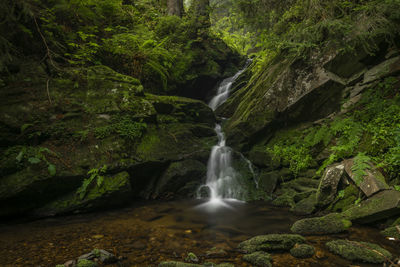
point(147, 234)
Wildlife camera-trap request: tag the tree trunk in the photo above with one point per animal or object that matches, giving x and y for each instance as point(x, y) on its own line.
point(175, 7)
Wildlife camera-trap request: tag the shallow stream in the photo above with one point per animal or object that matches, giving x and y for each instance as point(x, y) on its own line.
point(151, 232)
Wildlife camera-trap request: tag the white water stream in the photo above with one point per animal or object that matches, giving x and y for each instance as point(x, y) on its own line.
point(221, 176)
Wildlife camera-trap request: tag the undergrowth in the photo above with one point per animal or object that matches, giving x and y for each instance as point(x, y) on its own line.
point(371, 131)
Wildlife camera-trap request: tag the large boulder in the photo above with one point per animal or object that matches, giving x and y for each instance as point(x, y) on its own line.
point(289, 91)
point(382, 205)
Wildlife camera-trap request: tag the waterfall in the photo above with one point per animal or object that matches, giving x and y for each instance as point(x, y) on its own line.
point(221, 176)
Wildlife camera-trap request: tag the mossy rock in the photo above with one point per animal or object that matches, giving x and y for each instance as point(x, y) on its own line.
point(285, 199)
point(113, 191)
point(178, 264)
point(86, 263)
point(270, 242)
point(301, 184)
point(305, 206)
point(302, 251)
point(329, 224)
point(359, 251)
point(259, 156)
point(178, 176)
point(259, 258)
point(393, 231)
point(345, 201)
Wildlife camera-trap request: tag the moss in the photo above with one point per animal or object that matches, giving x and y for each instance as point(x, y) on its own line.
point(329, 224)
point(359, 251)
point(86, 263)
point(342, 203)
point(259, 258)
point(270, 242)
point(177, 264)
point(191, 257)
point(302, 251)
point(114, 190)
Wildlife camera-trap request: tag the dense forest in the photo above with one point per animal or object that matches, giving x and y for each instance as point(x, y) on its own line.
point(197, 133)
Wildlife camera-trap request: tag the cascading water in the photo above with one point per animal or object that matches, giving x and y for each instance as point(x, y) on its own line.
point(221, 176)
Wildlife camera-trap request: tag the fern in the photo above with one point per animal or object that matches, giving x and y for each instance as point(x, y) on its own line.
point(360, 166)
point(95, 174)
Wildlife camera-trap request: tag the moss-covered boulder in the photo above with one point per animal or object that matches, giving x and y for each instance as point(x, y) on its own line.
point(382, 205)
point(359, 251)
point(329, 224)
point(287, 90)
point(305, 206)
point(270, 242)
point(96, 117)
point(345, 199)
point(302, 251)
point(259, 258)
point(111, 191)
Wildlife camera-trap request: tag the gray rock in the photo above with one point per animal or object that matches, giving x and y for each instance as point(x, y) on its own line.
point(373, 181)
point(385, 69)
point(328, 185)
point(101, 255)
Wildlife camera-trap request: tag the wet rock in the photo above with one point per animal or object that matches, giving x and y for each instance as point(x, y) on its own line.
point(100, 255)
point(372, 182)
point(259, 258)
point(191, 257)
point(216, 253)
point(359, 251)
point(329, 183)
point(382, 205)
point(385, 69)
point(302, 251)
point(329, 224)
point(70, 263)
point(270, 242)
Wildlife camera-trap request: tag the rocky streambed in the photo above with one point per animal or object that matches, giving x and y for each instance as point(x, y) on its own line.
point(158, 232)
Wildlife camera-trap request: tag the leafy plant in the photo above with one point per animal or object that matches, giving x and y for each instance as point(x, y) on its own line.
point(37, 155)
point(94, 175)
point(360, 165)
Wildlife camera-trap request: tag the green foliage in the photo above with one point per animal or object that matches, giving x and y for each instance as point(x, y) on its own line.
point(341, 194)
point(95, 175)
point(360, 166)
point(125, 126)
point(37, 155)
point(373, 129)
